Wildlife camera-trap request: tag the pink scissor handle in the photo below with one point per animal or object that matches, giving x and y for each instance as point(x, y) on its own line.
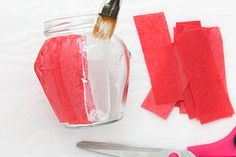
point(223, 148)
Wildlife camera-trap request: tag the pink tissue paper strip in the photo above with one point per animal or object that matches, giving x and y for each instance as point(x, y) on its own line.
point(160, 61)
point(61, 78)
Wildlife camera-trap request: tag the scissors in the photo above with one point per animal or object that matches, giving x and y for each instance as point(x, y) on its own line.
point(225, 147)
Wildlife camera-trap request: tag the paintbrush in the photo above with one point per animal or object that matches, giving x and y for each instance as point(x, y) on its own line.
point(106, 21)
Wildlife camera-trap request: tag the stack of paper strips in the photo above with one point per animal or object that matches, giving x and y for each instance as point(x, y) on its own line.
point(188, 73)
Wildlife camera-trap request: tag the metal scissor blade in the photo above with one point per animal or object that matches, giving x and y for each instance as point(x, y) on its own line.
point(120, 150)
point(117, 150)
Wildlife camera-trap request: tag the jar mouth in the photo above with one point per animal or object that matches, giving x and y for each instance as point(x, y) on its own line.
point(80, 24)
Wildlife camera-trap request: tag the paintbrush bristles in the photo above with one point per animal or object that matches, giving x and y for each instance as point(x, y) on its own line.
point(104, 27)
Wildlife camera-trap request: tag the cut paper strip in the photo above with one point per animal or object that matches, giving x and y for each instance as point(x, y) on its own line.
point(214, 38)
point(182, 109)
point(188, 100)
point(70, 73)
point(161, 64)
point(43, 59)
point(199, 82)
point(181, 26)
point(160, 60)
point(189, 103)
point(162, 110)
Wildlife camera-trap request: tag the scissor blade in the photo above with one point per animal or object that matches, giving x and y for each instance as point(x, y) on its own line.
point(119, 150)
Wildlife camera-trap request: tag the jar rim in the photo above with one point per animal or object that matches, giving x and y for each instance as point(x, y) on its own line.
point(67, 25)
point(68, 17)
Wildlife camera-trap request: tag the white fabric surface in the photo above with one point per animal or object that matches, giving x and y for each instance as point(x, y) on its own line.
point(28, 126)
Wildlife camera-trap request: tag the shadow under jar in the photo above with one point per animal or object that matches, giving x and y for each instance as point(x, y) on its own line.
point(84, 79)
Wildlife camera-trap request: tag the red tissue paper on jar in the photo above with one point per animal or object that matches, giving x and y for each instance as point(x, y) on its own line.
point(59, 69)
point(188, 73)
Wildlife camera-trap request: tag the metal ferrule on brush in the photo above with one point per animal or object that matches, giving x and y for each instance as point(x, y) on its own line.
point(111, 8)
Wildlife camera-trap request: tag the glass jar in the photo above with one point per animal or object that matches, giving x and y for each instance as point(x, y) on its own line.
point(85, 79)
